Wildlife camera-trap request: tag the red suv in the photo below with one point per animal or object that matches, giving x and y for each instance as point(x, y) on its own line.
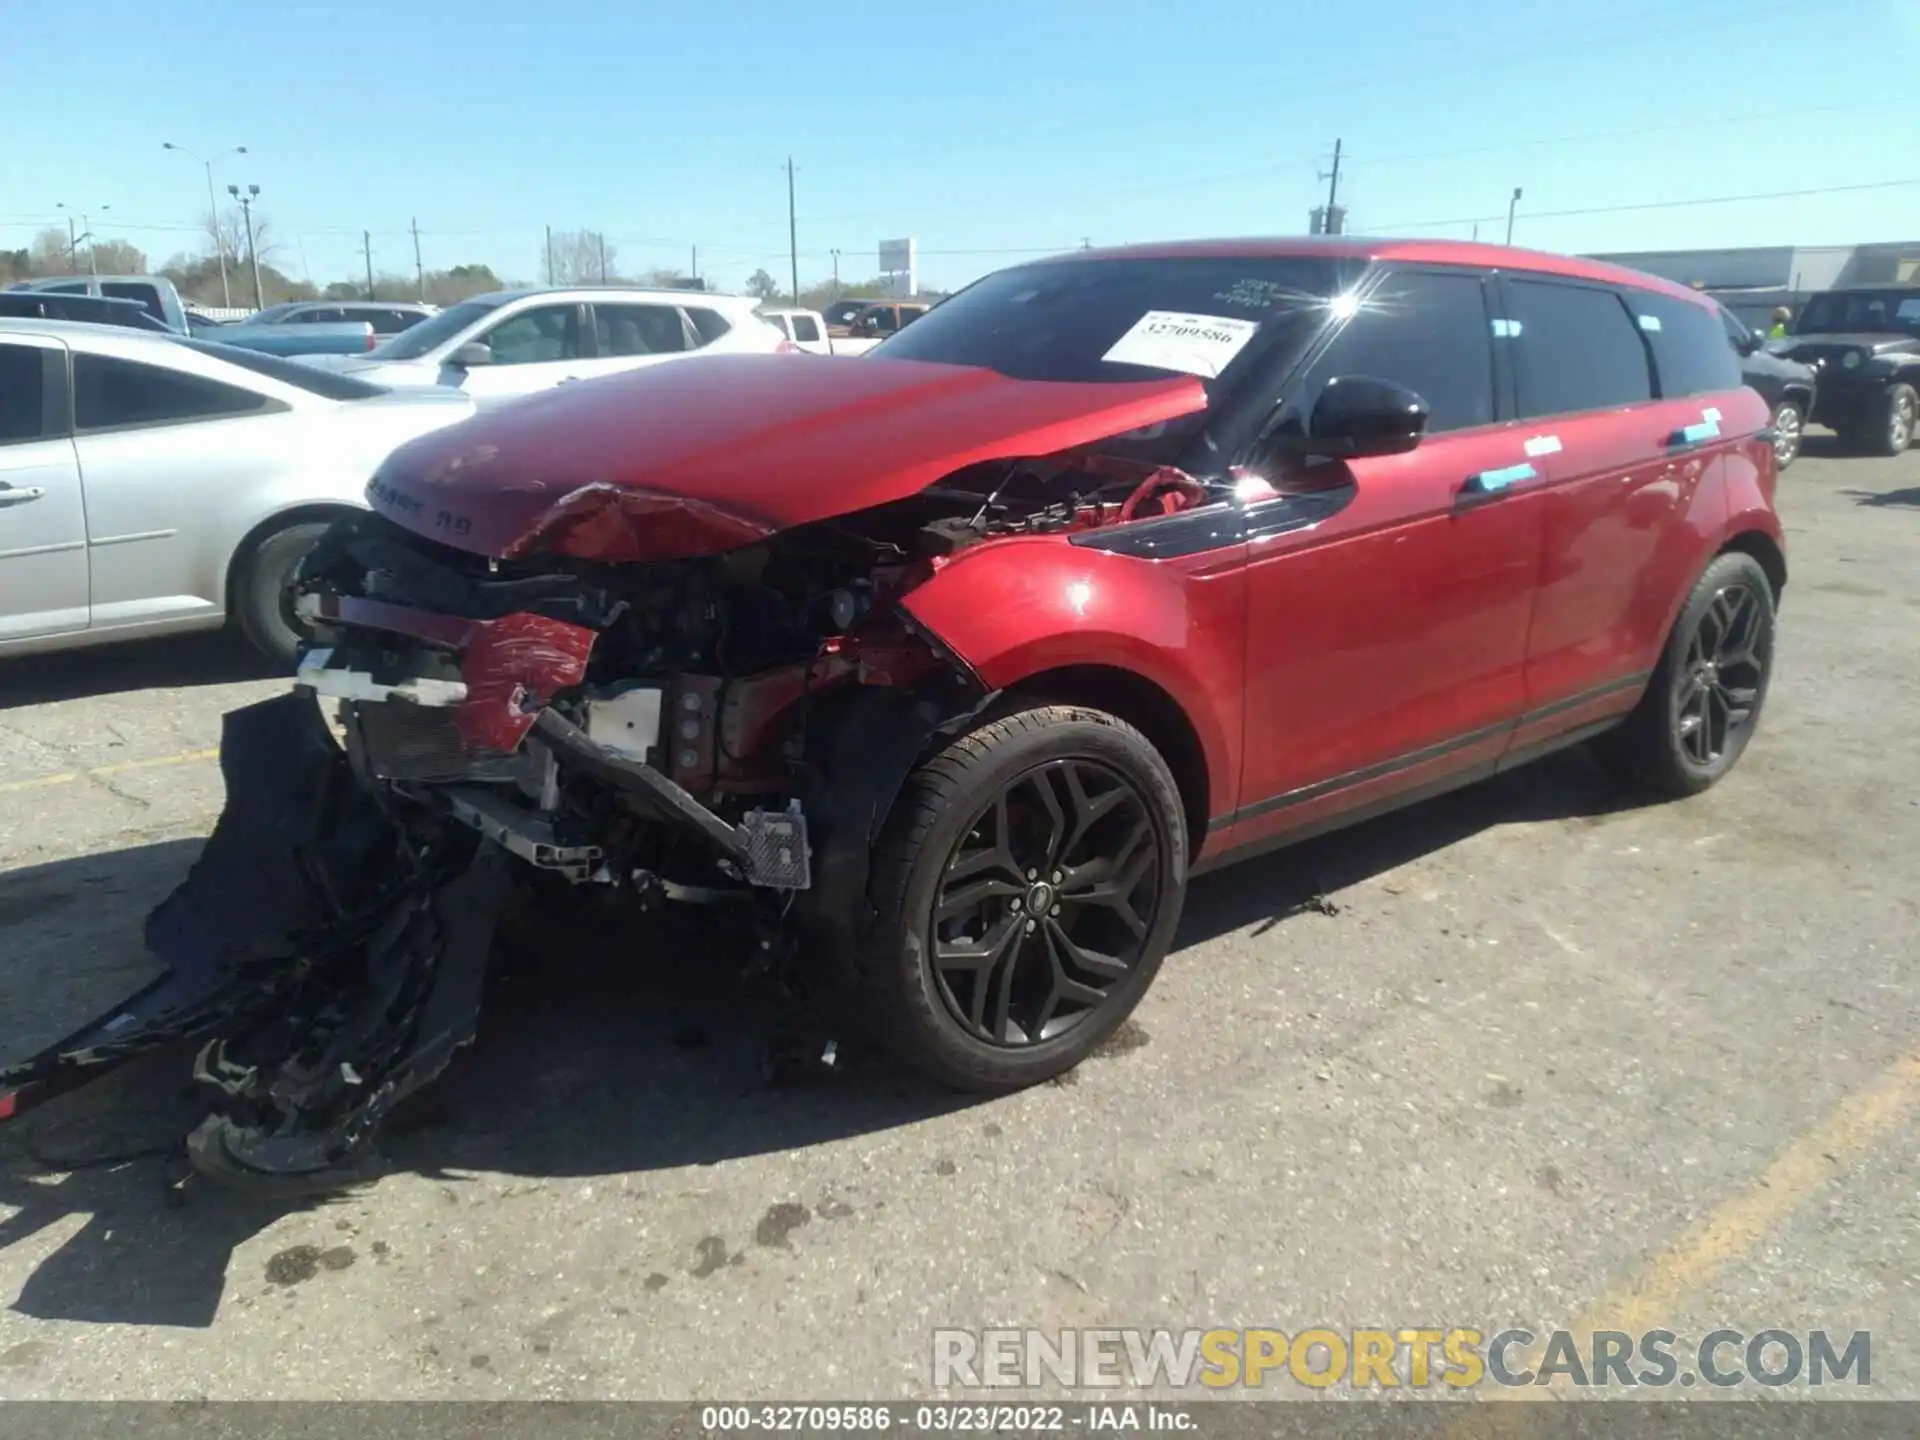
point(944, 670)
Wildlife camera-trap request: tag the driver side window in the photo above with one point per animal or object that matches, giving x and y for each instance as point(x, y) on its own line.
point(1429, 332)
point(533, 337)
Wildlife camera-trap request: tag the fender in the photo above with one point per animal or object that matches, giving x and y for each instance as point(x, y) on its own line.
point(1013, 609)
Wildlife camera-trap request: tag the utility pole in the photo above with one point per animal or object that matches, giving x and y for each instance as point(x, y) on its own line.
point(549, 255)
point(603, 257)
point(253, 254)
point(73, 242)
point(1512, 205)
point(213, 211)
point(366, 250)
point(793, 234)
point(836, 274)
point(419, 270)
point(694, 275)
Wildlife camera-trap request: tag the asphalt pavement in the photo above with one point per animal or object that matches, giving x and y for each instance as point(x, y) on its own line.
point(1534, 1054)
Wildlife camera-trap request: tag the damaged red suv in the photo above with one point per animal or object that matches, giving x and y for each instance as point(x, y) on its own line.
point(950, 665)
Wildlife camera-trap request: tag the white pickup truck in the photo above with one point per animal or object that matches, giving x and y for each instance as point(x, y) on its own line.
point(806, 329)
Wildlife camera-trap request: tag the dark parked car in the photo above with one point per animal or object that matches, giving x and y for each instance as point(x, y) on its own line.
point(940, 674)
point(90, 309)
point(1864, 344)
point(1786, 385)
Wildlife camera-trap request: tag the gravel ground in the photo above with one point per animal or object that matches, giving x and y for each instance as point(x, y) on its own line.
point(1554, 1059)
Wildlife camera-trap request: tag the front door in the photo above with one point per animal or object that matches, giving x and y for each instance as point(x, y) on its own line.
point(533, 349)
point(1387, 643)
point(43, 516)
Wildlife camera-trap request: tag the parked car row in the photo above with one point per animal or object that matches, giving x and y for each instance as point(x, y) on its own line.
point(948, 668)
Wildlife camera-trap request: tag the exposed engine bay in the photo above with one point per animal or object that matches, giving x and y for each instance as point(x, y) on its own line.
point(726, 730)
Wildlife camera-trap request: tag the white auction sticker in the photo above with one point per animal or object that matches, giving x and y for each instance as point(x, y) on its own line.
point(1191, 344)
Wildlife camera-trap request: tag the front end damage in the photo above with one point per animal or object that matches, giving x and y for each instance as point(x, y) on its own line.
point(467, 730)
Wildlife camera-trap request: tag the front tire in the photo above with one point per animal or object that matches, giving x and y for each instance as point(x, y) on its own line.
point(1027, 886)
point(261, 600)
point(1704, 700)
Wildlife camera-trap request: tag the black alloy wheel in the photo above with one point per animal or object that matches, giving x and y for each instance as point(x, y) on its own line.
point(1717, 687)
point(1046, 903)
point(1703, 702)
point(1025, 888)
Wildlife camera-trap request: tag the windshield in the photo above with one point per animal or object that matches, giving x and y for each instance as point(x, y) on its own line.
point(324, 383)
point(1861, 312)
point(1118, 320)
point(434, 331)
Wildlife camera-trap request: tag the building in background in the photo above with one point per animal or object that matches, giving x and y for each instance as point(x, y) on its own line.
point(1752, 282)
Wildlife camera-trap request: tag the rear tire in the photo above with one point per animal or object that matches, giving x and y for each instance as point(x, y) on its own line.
point(259, 602)
point(1705, 698)
point(1789, 429)
point(1027, 886)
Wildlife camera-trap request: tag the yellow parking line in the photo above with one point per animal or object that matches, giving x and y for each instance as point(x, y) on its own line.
point(67, 777)
point(1733, 1230)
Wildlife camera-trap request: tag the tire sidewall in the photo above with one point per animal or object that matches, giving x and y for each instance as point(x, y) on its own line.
point(1889, 408)
point(903, 942)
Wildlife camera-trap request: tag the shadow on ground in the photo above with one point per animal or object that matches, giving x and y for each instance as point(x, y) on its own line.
point(594, 1059)
point(1907, 499)
point(212, 658)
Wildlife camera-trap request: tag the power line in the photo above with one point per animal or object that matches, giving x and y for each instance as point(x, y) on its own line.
point(1653, 205)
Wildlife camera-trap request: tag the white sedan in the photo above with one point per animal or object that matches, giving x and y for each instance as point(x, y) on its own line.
point(516, 342)
point(151, 484)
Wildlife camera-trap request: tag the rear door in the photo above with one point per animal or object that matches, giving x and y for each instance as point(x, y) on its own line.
point(158, 449)
point(629, 335)
point(1626, 466)
point(43, 517)
point(1387, 641)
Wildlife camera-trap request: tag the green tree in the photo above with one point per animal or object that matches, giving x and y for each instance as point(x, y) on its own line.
point(762, 286)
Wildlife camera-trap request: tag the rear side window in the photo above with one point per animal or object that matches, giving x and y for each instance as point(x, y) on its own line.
point(710, 324)
point(1429, 332)
point(1579, 349)
point(323, 316)
point(1692, 349)
point(23, 394)
point(114, 394)
point(805, 327)
point(147, 295)
point(639, 329)
point(392, 322)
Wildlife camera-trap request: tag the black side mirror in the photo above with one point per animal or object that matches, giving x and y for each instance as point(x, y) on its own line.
point(472, 353)
point(1749, 343)
point(1357, 416)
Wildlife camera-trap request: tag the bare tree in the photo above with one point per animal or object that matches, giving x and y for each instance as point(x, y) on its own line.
point(582, 257)
point(227, 233)
point(116, 257)
point(52, 253)
point(762, 285)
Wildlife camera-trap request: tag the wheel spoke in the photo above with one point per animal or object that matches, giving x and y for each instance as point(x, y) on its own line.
point(970, 956)
point(997, 856)
point(958, 899)
point(1088, 810)
point(1091, 961)
point(1065, 987)
point(1050, 849)
point(1001, 1028)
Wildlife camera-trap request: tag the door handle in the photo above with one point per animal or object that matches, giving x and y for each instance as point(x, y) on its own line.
point(11, 496)
point(1497, 482)
point(1688, 437)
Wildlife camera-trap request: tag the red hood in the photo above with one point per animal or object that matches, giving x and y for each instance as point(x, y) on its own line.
point(706, 454)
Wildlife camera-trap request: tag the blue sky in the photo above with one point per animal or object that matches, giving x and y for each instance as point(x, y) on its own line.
point(983, 130)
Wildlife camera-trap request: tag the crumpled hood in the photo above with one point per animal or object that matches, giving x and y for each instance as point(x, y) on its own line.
point(713, 452)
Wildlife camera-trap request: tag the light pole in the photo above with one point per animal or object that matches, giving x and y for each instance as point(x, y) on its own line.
point(836, 274)
point(253, 255)
point(213, 210)
point(1512, 205)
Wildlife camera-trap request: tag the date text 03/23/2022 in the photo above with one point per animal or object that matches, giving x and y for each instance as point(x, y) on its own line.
point(945, 1418)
